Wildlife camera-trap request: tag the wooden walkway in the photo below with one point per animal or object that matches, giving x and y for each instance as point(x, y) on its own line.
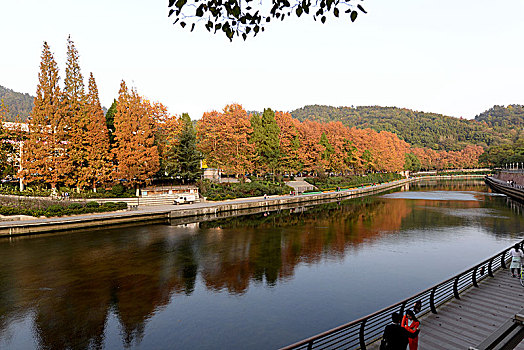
point(467, 322)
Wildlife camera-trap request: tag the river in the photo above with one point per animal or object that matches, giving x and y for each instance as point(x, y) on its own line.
point(258, 282)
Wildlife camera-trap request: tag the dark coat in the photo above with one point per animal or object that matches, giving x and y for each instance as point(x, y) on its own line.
point(396, 337)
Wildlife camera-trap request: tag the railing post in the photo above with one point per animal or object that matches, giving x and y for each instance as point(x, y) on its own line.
point(474, 276)
point(432, 300)
point(502, 260)
point(361, 335)
point(455, 288)
point(310, 345)
point(490, 271)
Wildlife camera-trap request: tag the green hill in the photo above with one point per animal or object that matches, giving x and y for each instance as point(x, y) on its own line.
point(18, 103)
point(503, 118)
point(419, 129)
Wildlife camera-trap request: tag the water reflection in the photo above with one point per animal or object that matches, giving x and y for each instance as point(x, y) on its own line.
point(70, 286)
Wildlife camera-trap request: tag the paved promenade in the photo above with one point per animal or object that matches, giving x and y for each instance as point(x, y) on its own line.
point(480, 311)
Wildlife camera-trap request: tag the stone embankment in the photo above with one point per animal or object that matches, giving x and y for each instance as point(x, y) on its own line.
point(194, 212)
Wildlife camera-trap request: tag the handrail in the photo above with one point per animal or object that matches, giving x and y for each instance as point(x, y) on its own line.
point(368, 329)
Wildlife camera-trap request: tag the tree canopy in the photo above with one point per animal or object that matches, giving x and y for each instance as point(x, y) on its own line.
point(240, 19)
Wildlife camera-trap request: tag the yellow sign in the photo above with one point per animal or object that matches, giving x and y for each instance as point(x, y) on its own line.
point(203, 164)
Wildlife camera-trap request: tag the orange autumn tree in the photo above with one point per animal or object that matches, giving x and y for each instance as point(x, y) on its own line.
point(45, 158)
point(135, 152)
point(362, 139)
point(389, 151)
point(310, 151)
point(74, 114)
point(289, 143)
point(470, 156)
point(224, 139)
point(343, 157)
point(97, 162)
point(167, 128)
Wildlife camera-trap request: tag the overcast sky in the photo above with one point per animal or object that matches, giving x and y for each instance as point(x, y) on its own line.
point(456, 58)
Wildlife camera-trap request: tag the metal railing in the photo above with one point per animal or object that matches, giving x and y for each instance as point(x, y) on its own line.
point(368, 329)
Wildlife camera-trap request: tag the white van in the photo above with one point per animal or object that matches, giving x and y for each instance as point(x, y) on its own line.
point(183, 199)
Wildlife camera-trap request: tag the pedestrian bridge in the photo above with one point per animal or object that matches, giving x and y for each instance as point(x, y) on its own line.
point(481, 308)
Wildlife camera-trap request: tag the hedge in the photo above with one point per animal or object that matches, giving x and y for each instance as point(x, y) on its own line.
point(61, 209)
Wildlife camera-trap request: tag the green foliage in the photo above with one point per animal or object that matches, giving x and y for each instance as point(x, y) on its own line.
point(477, 172)
point(53, 208)
point(503, 118)
point(332, 183)
point(500, 155)
point(420, 129)
point(118, 191)
point(265, 138)
point(19, 104)
point(412, 162)
point(110, 122)
point(328, 148)
point(13, 189)
point(183, 160)
point(216, 192)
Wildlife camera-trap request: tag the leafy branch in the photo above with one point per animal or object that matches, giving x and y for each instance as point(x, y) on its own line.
point(233, 18)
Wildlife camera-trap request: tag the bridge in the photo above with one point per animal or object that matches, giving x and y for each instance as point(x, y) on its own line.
point(480, 308)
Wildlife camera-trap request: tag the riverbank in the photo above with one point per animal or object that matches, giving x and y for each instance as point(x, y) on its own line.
point(207, 210)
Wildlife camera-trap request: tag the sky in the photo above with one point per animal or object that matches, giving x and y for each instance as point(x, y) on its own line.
point(455, 58)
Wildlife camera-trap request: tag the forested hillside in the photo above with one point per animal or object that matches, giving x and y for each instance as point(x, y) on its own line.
point(419, 129)
point(17, 103)
point(503, 118)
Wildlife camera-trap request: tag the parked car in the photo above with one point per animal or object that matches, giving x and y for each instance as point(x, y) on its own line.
point(183, 199)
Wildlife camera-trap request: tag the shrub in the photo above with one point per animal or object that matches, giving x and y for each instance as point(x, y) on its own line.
point(118, 190)
point(256, 188)
point(75, 206)
point(92, 205)
point(56, 208)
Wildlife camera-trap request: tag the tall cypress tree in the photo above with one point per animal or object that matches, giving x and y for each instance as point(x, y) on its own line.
point(98, 158)
point(184, 160)
point(74, 113)
point(44, 157)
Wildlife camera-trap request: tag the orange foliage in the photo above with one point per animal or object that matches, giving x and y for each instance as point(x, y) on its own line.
point(224, 139)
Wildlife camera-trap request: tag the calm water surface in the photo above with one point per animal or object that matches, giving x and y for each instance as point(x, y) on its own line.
point(256, 282)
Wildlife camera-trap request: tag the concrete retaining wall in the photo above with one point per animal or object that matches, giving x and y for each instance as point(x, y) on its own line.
point(206, 210)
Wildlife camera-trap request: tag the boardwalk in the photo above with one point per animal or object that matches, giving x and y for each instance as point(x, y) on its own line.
point(467, 322)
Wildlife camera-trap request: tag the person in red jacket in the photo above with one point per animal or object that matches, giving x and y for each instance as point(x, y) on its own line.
point(411, 324)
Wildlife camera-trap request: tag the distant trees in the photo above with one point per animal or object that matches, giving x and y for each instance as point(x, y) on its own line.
point(20, 104)
point(500, 155)
point(283, 144)
point(421, 129)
